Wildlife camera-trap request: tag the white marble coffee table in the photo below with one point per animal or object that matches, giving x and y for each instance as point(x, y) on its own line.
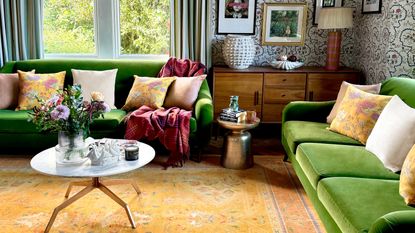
point(45, 162)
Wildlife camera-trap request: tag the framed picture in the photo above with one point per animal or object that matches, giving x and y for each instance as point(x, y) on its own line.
point(284, 23)
point(236, 17)
point(371, 6)
point(318, 4)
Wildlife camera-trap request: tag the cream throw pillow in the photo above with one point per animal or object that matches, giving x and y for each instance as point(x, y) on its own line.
point(101, 81)
point(407, 179)
point(393, 134)
point(183, 92)
point(374, 89)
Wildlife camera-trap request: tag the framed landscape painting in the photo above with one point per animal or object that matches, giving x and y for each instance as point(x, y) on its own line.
point(318, 4)
point(236, 17)
point(284, 24)
point(371, 6)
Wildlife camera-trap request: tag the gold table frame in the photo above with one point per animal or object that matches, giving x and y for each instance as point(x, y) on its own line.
point(96, 183)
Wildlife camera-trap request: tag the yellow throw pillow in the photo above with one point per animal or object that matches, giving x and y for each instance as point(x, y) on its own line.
point(147, 91)
point(358, 113)
point(407, 179)
point(42, 86)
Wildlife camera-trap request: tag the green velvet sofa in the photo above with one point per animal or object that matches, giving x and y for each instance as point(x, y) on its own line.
point(349, 187)
point(17, 132)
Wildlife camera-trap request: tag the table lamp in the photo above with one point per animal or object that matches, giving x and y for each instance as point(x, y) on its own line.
point(334, 18)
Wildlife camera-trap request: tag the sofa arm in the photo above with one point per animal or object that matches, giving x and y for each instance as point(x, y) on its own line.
point(307, 111)
point(394, 222)
point(204, 114)
point(8, 67)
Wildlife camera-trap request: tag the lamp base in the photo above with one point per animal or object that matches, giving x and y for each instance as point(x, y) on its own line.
point(333, 50)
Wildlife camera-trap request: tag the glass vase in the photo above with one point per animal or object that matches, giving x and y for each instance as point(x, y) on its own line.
point(71, 148)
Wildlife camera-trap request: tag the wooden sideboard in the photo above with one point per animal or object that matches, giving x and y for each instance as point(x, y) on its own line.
point(267, 90)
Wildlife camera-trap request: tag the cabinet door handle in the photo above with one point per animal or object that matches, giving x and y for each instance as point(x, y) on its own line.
point(310, 95)
point(283, 95)
point(284, 80)
point(256, 98)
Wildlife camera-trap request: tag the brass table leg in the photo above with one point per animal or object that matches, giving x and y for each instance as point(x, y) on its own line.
point(91, 185)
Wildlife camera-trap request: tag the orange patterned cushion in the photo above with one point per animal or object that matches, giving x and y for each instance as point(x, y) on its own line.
point(147, 91)
point(407, 179)
point(42, 86)
point(358, 113)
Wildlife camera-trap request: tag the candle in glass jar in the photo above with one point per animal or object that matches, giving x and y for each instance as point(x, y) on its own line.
point(131, 152)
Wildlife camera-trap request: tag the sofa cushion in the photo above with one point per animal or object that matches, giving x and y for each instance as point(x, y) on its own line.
point(394, 134)
point(319, 161)
point(111, 120)
point(402, 87)
point(147, 91)
point(356, 203)
point(41, 86)
point(17, 121)
point(96, 81)
point(374, 89)
point(358, 113)
point(297, 132)
point(183, 92)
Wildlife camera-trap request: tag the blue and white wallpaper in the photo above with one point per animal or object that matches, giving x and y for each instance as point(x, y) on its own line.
point(380, 45)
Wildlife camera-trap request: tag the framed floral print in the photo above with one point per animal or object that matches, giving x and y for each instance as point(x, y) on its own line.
point(371, 6)
point(284, 24)
point(236, 17)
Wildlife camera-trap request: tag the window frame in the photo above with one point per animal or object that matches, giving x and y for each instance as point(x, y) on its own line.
point(107, 36)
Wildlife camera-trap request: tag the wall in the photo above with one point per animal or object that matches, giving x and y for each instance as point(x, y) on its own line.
point(313, 52)
point(385, 43)
point(380, 45)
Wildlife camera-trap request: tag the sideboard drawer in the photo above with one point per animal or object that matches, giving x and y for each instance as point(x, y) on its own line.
point(291, 81)
point(276, 95)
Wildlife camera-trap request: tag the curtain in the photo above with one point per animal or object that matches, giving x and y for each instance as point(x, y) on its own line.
point(190, 30)
point(20, 30)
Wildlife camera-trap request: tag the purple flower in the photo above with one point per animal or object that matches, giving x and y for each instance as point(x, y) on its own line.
point(60, 112)
point(105, 107)
point(54, 99)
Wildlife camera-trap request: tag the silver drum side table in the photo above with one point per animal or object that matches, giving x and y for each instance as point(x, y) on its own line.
point(236, 152)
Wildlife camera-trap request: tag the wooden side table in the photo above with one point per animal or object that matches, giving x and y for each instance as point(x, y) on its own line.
point(236, 152)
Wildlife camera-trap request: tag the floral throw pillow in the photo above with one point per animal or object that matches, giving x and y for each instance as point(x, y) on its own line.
point(407, 179)
point(147, 91)
point(358, 113)
point(42, 86)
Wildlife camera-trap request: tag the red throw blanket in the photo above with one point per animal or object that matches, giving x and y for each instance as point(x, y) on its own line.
point(171, 127)
point(181, 68)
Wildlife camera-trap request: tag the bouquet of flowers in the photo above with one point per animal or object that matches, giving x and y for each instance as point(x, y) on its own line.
point(68, 112)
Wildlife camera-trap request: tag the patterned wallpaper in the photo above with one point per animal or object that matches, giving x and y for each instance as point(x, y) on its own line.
point(313, 52)
point(385, 43)
point(380, 45)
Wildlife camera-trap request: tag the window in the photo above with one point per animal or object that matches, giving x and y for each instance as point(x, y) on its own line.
point(144, 26)
point(68, 27)
point(106, 28)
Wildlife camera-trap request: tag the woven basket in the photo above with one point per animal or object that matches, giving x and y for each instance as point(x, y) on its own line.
point(238, 51)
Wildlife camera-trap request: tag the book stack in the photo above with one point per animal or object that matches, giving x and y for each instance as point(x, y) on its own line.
point(229, 115)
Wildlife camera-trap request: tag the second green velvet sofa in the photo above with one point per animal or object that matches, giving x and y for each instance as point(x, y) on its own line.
point(17, 132)
point(349, 187)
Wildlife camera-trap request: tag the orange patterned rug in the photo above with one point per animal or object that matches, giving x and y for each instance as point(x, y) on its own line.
point(201, 197)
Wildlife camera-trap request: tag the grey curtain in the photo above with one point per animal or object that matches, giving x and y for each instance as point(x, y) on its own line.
point(20, 30)
point(190, 30)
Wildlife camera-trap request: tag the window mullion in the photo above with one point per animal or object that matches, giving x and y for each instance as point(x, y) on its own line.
point(106, 28)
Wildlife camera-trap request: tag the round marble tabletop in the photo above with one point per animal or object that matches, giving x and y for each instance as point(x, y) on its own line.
point(45, 162)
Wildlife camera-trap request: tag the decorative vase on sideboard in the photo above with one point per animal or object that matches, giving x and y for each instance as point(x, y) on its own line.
point(238, 51)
